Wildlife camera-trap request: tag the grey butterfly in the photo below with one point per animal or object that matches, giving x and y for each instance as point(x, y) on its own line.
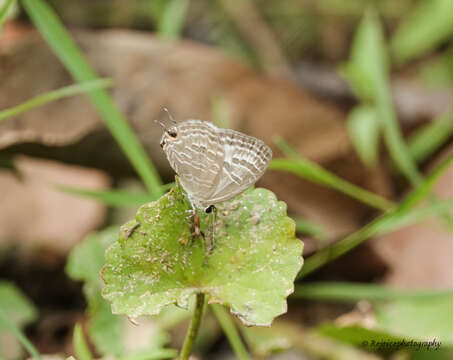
point(213, 164)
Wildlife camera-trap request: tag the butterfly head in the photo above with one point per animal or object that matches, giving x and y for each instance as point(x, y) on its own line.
point(170, 134)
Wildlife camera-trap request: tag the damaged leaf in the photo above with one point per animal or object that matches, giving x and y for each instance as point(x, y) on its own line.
point(251, 268)
point(110, 333)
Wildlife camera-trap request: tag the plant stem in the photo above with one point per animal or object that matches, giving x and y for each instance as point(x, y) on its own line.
point(193, 328)
point(231, 332)
point(20, 336)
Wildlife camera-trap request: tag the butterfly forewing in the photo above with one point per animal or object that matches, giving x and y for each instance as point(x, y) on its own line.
point(197, 155)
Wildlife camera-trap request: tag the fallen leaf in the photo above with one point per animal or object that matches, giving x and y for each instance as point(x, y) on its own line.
point(34, 215)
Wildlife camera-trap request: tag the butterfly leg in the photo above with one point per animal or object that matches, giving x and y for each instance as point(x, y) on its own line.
point(210, 245)
point(194, 219)
point(196, 230)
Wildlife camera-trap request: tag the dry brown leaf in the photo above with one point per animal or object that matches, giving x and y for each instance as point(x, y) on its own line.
point(34, 215)
point(185, 77)
point(420, 255)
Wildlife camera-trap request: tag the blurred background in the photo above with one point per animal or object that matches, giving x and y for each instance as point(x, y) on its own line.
point(353, 96)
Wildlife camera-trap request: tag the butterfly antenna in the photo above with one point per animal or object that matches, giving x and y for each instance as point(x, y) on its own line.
point(160, 123)
point(170, 116)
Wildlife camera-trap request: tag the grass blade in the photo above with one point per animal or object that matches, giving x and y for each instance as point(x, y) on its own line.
point(172, 19)
point(396, 218)
point(113, 197)
point(364, 130)
point(425, 27)
point(4, 11)
point(48, 97)
point(309, 228)
point(231, 332)
point(384, 224)
point(352, 292)
point(20, 336)
point(59, 40)
point(428, 139)
point(110, 197)
point(423, 190)
point(313, 172)
point(80, 346)
point(369, 59)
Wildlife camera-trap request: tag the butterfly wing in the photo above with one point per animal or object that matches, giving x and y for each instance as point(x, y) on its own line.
point(197, 156)
point(246, 158)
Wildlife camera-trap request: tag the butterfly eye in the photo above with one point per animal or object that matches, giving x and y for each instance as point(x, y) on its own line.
point(172, 133)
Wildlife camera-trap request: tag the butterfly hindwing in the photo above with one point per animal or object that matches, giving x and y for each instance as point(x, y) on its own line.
point(246, 159)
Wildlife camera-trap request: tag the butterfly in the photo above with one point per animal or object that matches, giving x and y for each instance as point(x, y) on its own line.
point(213, 164)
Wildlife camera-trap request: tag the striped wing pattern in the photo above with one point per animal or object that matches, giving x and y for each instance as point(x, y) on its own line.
point(196, 156)
point(246, 159)
point(215, 164)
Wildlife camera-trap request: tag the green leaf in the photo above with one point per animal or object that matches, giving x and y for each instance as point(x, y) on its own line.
point(16, 311)
point(80, 346)
point(84, 263)
point(265, 341)
point(251, 269)
point(353, 292)
point(369, 59)
point(424, 28)
point(57, 37)
point(364, 129)
point(5, 10)
point(55, 95)
point(15, 305)
point(371, 339)
point(429, 138)
point(172, 20)
point(420, 319)
point(385, 342)
point(107, 331)
point(368, 65)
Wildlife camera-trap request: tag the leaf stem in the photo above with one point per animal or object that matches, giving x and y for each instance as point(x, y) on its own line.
point(193, 328)
point(231, 332)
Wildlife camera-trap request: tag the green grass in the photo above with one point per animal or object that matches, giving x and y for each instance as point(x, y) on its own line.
point(20, 336)
point(353, 292)
point(4, 11)
point(311, 171)
point(80, 345)
point(60, 41)
point(115, 198)
point(48, 97)
point(231, 332)
point(172, 19)
point(368, 72)
point(429, 138)
point(402, 215)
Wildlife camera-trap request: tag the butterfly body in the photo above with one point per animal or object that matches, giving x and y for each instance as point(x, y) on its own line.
point(213, 164)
